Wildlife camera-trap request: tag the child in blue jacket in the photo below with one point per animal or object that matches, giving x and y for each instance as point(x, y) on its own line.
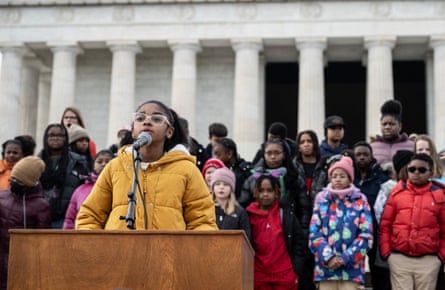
point(341, 231)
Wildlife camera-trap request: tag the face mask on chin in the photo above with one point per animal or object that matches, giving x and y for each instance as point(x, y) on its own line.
point(17, 188)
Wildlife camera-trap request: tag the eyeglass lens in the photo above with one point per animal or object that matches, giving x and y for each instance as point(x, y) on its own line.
point(413, 169)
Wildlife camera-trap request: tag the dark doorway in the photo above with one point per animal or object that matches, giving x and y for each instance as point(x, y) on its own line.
point(282, 95)
point(345, 95)
point(410, 90)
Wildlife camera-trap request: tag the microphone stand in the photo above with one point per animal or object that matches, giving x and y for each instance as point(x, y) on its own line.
point(130, 217)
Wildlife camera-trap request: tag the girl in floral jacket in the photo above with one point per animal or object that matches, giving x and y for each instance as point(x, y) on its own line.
point(340, 232)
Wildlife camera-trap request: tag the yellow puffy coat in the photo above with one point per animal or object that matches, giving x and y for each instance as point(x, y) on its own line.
point(176, 196)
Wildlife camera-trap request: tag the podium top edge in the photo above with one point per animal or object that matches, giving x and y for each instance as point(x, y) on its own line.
point(126, 232)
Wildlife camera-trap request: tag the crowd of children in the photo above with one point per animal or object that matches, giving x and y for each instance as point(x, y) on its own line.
point(312, 211)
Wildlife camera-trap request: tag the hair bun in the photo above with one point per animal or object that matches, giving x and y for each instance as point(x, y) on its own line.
point(392, 107)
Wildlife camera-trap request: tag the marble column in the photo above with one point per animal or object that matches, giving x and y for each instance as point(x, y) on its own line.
point(10, 76)
point(29, 95)
point(63, 83)
point(379, 83)
point(311, 98)
point(247, 101)
point(44, 92)
point(438, 134)
point(183, 99)
point(122, 93)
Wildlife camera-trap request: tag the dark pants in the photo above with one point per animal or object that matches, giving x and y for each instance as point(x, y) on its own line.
point(307, 277)
point(380, 278)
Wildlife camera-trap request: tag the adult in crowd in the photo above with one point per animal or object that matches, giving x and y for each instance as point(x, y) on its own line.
point(392, 139)
point(171, 195)
point(71, 116)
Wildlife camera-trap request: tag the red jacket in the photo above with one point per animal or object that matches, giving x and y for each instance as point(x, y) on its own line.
point(413, 221)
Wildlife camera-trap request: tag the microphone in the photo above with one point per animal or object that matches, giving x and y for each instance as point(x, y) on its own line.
point(143, 139)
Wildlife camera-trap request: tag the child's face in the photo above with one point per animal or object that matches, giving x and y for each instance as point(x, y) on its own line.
point(419, 172)
point(56, 138)
point(208, 175)
point(222, 190)
point(82, 145)
point(273, 155)
point(152, 119)
point(100, 162)
point(266, 194)
point(13, 153)
point(306, 145)
point(222, 154)
point(340, 179)
point(423, 146)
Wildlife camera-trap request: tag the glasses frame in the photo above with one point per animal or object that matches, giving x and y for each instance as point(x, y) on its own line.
point(421, 170)
point(146, 116)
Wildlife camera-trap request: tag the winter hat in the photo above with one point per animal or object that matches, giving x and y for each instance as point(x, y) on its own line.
point(401, 158)
point(344, 163)
point(334, 121)
point(75, 132)
point(223, 174)
point(212, 162)
point(28, 170)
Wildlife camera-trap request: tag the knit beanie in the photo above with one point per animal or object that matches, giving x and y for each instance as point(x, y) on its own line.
point(212, 162)
point(401, 158)
point(223, 174)
point(344, 163)
point(28, 170)
point(75, 132)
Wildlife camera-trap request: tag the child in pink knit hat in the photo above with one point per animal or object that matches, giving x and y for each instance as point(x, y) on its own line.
point(229, 214)
point(340, 232)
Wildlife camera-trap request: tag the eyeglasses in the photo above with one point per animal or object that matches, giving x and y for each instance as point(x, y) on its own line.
point(70, 118)
point(273, 153)
point(421, 170)
point(155, 119)
point(58, 136)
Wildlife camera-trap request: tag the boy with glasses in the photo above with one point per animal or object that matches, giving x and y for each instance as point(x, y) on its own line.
point(412, 229)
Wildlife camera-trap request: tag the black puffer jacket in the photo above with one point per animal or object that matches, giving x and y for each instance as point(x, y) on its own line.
point(239, 220)
point(13, 208)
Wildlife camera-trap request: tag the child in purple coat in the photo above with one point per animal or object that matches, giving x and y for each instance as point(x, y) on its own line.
point(82, 192)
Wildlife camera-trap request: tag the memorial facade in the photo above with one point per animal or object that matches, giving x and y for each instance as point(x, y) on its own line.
point(207, 59)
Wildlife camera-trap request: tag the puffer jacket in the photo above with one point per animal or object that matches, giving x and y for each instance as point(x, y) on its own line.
point(12, 211)
point(175, 195)
point(413, 222)
point(383, 150)
point(79, 195)
point(343, 229)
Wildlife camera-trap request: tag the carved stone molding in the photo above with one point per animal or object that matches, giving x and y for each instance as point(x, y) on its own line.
point(381, 9)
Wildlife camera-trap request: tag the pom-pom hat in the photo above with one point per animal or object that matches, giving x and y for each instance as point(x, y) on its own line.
point(28, 170)
point(223, 174)
point(344, 163)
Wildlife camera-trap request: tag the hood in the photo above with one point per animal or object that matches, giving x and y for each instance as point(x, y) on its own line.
point(179, 152)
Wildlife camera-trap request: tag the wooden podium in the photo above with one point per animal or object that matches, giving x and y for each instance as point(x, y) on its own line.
point(124, 260)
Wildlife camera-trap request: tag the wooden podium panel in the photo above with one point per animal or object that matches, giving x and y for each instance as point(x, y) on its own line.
point(124, 260)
